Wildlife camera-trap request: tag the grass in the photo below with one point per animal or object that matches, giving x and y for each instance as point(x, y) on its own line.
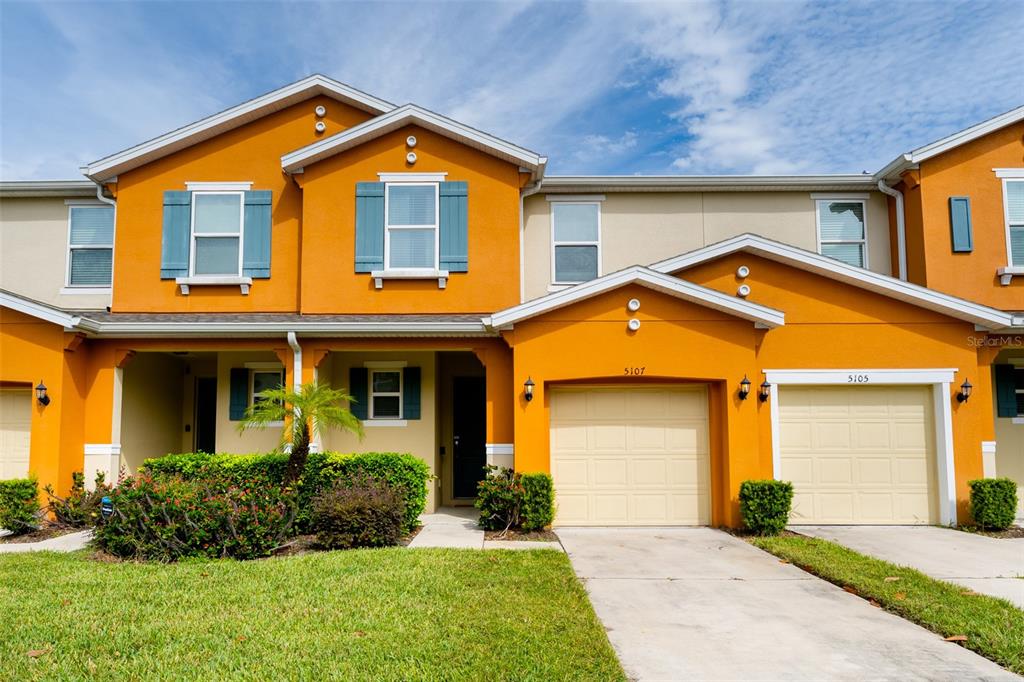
point(362, 614)
point(994, 627)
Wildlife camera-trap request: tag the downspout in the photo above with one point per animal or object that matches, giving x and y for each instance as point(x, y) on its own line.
point(901, 229)
point(113, 250)
point(99, 195)
point(532, 189)
point(293, 341)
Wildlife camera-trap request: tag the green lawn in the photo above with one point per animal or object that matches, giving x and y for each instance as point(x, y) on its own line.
point(363, 614)
point(994, 627)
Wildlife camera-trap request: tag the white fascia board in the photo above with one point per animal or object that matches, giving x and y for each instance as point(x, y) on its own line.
point(990, 318)
point(398, 118)
point(47, 188)
point(105, 168)
point(710, 298)
point(230, 329)
point(723, 182)
point(861, 376)
point(38, 310)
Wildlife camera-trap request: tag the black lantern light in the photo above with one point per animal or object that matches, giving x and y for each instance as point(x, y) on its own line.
point(965, 392)
point(528, 389)
point(41, 396)
point(766, 390)
point(744, 388)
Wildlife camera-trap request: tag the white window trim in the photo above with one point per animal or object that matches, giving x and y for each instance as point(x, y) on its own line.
point(573, 198)
point(371, 394)
point(219, 186)
point(1018, 391)
point(70, 288)
point(1012, 269)
point(255, 367)
point(555, 282)
point(412, 177)
point(862, 199)
point(940, 380)
point(240, 235)
point(411, 273)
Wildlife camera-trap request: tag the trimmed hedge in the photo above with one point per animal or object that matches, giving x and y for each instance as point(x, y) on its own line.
point(993, 502)
point(19, 505)
point(363, 512)
point(765, 505)
point(508, 499)
point(409, 475)
point(538, 508)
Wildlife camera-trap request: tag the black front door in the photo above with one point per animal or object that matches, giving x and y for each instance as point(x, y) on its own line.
point(206, 414)
point(469, 434)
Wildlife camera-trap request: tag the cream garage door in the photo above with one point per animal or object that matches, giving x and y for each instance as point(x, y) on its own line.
point(630, 456)
point(859, 454)
point(15, 427)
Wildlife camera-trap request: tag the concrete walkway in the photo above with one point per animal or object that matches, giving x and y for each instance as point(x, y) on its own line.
point(456, 527)
point(987, 565)
point(64, 543)
point(697, 603)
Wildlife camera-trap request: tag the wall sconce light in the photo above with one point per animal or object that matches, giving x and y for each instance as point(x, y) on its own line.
point(766, 390)
point(528, 389)
point(965, 392)
point(744, 388)
point(41, 396)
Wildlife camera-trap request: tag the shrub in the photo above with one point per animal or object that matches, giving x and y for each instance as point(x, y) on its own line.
point(170, 518)
point(499, 498)
point(409, 475)
point(764, 505)
point(538, 506)
point(19, 505)
point(81, 507)
point(993, 502)
point(359, 512)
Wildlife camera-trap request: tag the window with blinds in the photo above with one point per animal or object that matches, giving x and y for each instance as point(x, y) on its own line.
point(411, 226)
point(842, 231)
point(90, 246)
point(576, 241)
point(1013, 195)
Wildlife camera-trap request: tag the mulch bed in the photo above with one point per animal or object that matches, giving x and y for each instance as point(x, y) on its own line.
point(533, 535)
point(45, 532)
point(1010, 533)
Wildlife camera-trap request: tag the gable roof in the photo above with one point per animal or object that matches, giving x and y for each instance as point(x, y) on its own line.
point(407, 114)
point(211, 126)
point(910, 160)
point(38, 310)
point(762, 316)
point(958, 308)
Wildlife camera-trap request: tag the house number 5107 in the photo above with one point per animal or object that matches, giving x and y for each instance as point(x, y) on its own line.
point(634, 371)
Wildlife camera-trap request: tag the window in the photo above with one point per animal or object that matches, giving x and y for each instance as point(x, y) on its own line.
point(263, 380)
point(576, 241)
point(90, 246)
point(217, 233)
point(1013, 200)
point(1018, 373)
point(411, 220)
point(842, 231)
point(386, 394)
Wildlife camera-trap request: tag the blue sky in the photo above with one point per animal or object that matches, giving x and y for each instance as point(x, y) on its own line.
point(755, 87)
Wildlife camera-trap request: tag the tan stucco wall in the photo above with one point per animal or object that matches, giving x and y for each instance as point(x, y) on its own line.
point(641, 228)
point(1010, 456)
point(33, 252)
point(417, 437)
point(151, 402)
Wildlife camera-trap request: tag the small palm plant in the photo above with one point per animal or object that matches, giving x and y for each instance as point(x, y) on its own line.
point(312, 409)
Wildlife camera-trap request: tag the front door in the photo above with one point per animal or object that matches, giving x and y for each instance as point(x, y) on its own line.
point(206, 414)
point(469, 431)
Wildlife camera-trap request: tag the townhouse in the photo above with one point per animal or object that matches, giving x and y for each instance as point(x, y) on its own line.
point(650, 341)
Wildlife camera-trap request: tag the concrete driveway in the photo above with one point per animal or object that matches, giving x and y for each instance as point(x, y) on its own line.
point(986, 565)
point(697, 603)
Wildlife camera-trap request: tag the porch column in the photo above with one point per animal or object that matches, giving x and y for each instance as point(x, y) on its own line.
point(496, 358)
point(102, 449)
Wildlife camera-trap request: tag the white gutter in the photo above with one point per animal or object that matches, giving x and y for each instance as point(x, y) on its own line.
point(293, 341)
point(901, 227)
point(533, 189)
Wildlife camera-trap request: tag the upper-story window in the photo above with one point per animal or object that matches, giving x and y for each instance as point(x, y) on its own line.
point(576, 241)
point(1013, 200)
point(842, 230)
point(411, 226)
point(217, 233)
point(90, 246)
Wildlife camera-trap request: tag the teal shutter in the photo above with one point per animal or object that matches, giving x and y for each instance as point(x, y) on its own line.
point(174, 246)
point(256, 240)
point(239, 396)
point(1006, 391)
point(411, 393)
point(369, 227)
point(960, 224)
point(358, 388)
point(454, 226)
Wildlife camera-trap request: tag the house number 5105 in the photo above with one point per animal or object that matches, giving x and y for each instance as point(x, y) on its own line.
point(634, 371)
point(857, 378)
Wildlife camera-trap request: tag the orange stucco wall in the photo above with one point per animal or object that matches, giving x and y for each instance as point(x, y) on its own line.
point(329, 282)
point(967, 171)
point(251, 152)
point(828, 325)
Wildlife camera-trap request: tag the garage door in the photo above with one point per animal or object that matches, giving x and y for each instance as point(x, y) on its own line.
point(15, 427)
point(859, 455)
point(630, 456)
